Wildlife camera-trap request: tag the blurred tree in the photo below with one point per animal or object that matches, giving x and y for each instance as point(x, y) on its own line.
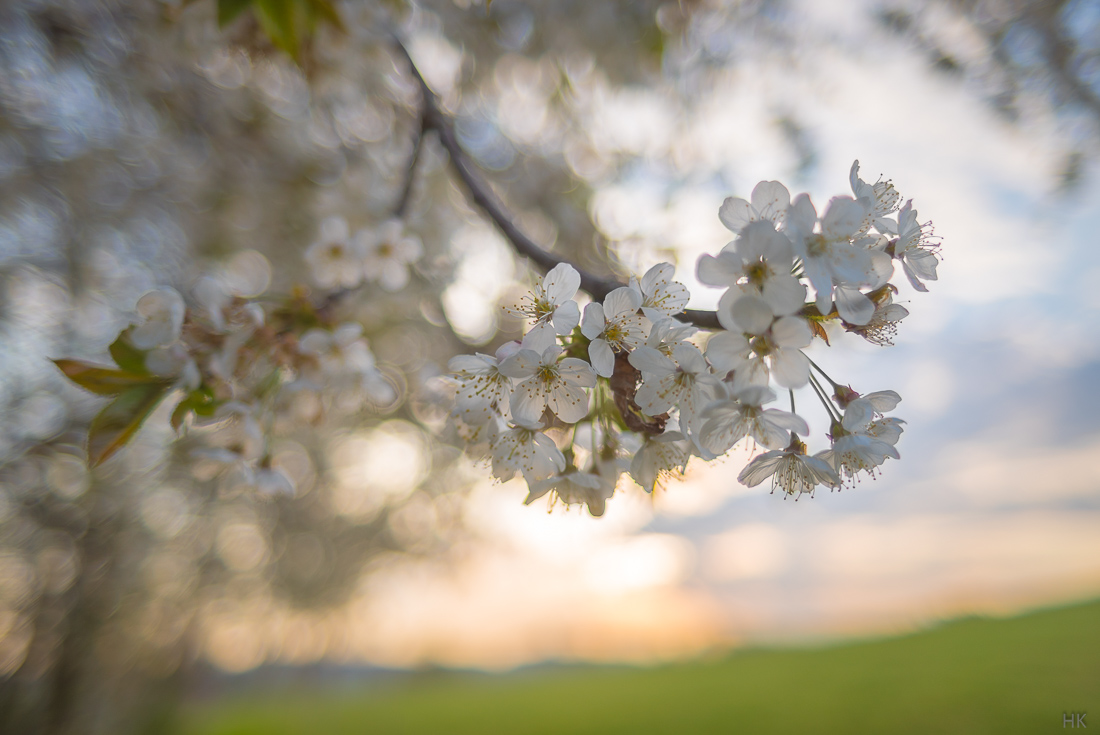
point(203, 146)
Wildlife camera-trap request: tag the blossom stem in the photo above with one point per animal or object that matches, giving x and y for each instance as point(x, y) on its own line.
point(823, 397)
point(823, 373)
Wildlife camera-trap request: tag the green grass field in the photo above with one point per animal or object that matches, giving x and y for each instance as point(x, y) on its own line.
point(971, 676)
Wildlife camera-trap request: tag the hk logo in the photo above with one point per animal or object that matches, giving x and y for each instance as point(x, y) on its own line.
point(1073, 719)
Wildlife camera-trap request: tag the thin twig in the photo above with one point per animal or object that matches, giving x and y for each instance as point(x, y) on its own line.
point(481, 193)
point(410, 172)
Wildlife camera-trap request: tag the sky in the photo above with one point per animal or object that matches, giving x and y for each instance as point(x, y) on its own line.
point(994, 506)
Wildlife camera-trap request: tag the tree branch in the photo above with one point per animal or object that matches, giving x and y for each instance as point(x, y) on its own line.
point(410, 173)
point(433, 118)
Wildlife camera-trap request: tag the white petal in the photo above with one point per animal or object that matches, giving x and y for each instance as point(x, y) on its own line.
point(787, 420)
point(760, 469)
point(884, 400)
point(858, 414)
point(561, 283)
point(567, 317)
point(527, 402)
point(790, 368)
point(792, 331)
point(651, 362)
point(854, 307)
point(735, 213)
point(650, 399)
point(727, 351)
point(603, 359)
point(523, 364)
point(621, 302)
point(541, 337)
point(843, 217)
point(568, 402)
point(761, 240)
point(689, 358)
point(658, 275)
point(752, 314)
point(801, 216)
point(771, 199)
point(594, 321)
point(721, 270)
point(576, 371)
point(785, 294)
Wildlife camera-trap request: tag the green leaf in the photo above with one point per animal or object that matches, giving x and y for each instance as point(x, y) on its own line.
point(126, 356)
point(324, 10)
point(277, 18)
point(104, 380)
point(117, 423)
point(200, 401)
point(228, 10)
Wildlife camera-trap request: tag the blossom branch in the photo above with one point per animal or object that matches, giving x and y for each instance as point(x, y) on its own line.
point(433, 118)
point(402, 205)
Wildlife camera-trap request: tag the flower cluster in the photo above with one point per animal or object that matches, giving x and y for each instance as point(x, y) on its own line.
point(628, 388)
point(241, 369)
point(383, 255)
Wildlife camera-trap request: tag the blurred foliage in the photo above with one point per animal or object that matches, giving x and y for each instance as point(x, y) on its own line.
point(147, 143)
point(1025, 57)
point(972, 676)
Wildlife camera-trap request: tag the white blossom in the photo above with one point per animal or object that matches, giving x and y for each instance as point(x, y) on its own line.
point(883, 325)
point(548, 382)
point(913, 249)
point(550, 303)
point(854, 453)
point(613, 326)
point(660, 295)
point(882, 199)
point(340, 352)
point(659, 458)
point(729, 421)
point(335, 259)
point(575, 488)
point(791, 469)
point(526, 450)
point(684, 382)
point(759, 263)
point(387, 253)
point(829, 256)
point(770, 200)
point(667, 333)
point(758, 346)
point(162, 314)
point(480, 381)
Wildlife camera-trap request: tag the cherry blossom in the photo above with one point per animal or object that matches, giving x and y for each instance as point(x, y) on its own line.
point(660, 295)
point(575, 488)
point(729, 421)
point(479, 379)
point(548, 381)
point(335, 259)
point(912, 248)
point(758, 346)
point(684, 382)
point(526, 450)
point(550, 302)
point(791, 469)
point(883, 199)
point(613, 327)
point(659, 458)
point(162, 313)
point(770, 200)
point(387, 253)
